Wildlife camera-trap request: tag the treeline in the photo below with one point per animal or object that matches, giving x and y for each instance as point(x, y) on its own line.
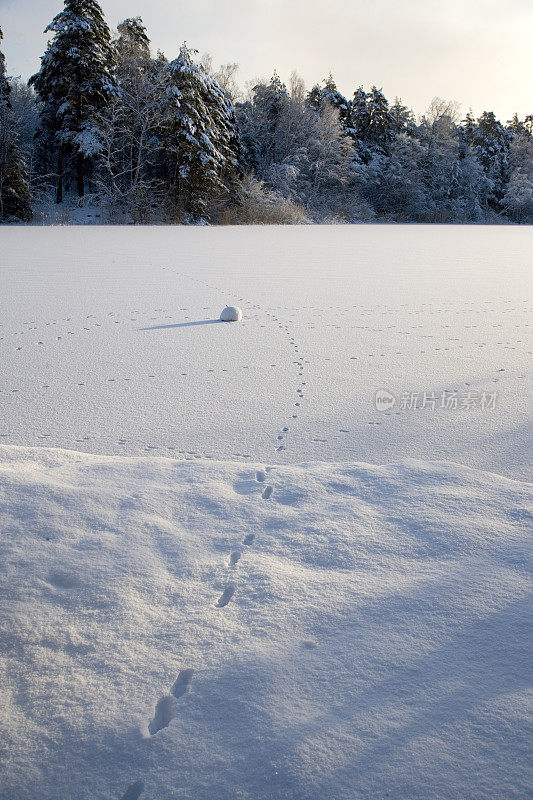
point(157, 141)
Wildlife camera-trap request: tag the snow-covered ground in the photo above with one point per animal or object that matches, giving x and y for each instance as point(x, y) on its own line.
point(292, 594)
point(109, 344)
point(213, 631)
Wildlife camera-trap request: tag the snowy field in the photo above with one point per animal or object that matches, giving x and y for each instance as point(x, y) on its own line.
point(227, 573)
point(108, 343)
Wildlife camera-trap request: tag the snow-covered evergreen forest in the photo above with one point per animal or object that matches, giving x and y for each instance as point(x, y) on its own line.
point(106, 123)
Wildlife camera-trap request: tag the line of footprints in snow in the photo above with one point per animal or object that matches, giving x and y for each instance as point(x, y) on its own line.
point(299, 364)
point(165, 709)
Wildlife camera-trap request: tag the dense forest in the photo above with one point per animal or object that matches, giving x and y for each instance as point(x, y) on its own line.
point(150, 140)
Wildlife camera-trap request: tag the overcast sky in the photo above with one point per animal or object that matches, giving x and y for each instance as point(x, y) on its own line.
point(478, 52)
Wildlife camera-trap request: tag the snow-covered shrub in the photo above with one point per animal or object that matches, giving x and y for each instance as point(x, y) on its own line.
point(260, 206)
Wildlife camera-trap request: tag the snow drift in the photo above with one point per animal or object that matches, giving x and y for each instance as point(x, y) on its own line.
point(202, 629)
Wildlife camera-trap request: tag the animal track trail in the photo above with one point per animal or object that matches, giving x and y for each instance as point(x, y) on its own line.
point(267, 492)
point(260, 476)
point(234, 558)
point(225, 597)
point(249, 539)
point(164, 710)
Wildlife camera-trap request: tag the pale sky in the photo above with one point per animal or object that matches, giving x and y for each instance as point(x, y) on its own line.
point(478, 52)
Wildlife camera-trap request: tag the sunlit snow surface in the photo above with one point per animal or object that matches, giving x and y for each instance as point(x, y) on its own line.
point(354, 631)
point(224, 619)
point(109, 342)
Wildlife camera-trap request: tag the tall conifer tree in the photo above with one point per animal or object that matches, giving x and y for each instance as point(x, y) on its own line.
point(199, 136)
point(14, 189)
point(74, 84)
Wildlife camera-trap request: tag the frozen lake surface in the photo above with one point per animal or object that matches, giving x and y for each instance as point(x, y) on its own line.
point(227, 572)
point(109, 343)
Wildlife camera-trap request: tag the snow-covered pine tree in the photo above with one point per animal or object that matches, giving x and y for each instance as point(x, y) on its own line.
point(314, 97)
point(491, 143)
point(198, 140)
point(518, 198)
point(265, 137)
point(381, 124)
point(403, 119)
point(74, 84)
point(132, 42)
point(15, 199)
point(359, 124)
point(330, 94)
point(394, 182)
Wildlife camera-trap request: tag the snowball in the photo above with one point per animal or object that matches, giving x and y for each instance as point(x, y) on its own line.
point(231, 314)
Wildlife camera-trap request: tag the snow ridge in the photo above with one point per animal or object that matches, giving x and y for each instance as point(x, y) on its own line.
point(407, 582)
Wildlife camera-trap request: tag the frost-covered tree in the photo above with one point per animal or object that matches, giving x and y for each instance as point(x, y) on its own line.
point(440, 109)
point(403, 119)
point(521, 128)
point(455, 185)
point(15, 200)
point(394, 183)
point(300, 151)
point(261, 125)
point(491, 142)
point(373, 126)
point(26, 117)
point(296, 88)
point(157, 139)
point(74, 85)
point(517, 200)
point(359, 124)
point(132, 42)
point(329, 95)
point(225, 76)
point(198, 138)
point(131, 127)
point(381, 124)
point(326, 169)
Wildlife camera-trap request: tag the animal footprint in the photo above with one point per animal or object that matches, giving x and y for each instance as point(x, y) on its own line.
point(164, 710)
point(226, 596)
point(260, 476)
point(163, 715)
point(234, 557)
point(267, 492)
point(181, 684)
point(249, 538)
point(134, 791)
